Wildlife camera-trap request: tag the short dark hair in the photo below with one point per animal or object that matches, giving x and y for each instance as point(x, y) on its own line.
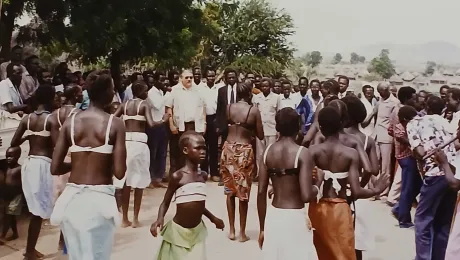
point(341, 108)
point(70, 91)
point(287, 122)
point(315, 80)
point(406, 113)
point(356, 109)
point(30, 58)
point(405, 93)
point(16, 47)
point(366, 87)
point(455, 93)
point(97, 84)
point(157, 74)
point(44, 95)
point(137, 87)
point(329, 121)
point(10, 68)
point(208, 70)
point(303, 78)
point(229, 70)
point(285, 82)
point(267, 79)
point(184, 140)
point(134, 76)
point(435, 104)
point(444, 87)
point(243, 90)
point(333, 86)
point(343, 77)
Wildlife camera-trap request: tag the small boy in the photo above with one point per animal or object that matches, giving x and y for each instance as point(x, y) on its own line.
point(184, 237)
point(12, 193)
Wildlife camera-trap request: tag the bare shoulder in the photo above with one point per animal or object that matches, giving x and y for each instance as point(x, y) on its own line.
point(117, 123)
point(176, 176)
point(349, 153)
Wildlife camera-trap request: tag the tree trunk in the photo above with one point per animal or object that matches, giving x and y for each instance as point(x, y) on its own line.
point(115, 69)
point(6, 33)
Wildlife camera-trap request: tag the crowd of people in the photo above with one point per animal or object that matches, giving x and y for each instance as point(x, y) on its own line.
point(93, 139)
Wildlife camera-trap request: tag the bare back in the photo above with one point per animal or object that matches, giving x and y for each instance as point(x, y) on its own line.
point(245, 123)
point(135, 108)
point(40, 145)
point(287, 157)
point(335, 158)
point(94, 167)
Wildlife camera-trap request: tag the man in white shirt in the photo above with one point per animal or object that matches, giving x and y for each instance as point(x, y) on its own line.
point(210, 164)
point(187, 108)
point(157, 136)
point(197, 77)
point(29, 82)
point(16, 57)
point(10, 97)
point(287, 98)
point(268, 104)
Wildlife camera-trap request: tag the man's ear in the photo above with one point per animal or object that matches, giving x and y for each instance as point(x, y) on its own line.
point(185, 150)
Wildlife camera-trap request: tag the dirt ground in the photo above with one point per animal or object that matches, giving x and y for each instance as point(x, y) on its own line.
point(391, 242)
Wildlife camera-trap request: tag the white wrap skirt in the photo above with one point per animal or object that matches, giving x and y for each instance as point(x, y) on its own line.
point(88, 216)
point(38, 185)
point(287, 236)
point(364, 234)
point(137, 162)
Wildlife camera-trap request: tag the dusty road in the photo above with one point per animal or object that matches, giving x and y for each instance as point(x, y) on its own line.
point(392, 243)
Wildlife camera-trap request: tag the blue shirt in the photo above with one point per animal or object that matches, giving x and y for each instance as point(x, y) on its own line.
point(85, 103)
point(305, 108)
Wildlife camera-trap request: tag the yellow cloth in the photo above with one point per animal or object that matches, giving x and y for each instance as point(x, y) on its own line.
point(181, 243)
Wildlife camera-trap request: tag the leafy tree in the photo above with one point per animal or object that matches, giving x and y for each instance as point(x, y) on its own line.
point(251, 35)
point(382, 65)
point(354, 58)
point(430, 67)
point(337, 58)
point(362, 59)
point(315, 59)
point(10, 10)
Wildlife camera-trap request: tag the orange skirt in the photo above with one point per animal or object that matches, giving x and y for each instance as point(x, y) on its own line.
point(333, 234)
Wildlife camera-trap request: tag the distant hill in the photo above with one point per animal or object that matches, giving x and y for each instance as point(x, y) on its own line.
point(438, 51)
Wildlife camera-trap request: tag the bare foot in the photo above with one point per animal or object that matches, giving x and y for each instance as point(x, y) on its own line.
point(36, 255)
point(156, 184)
point(12, 237)
point(126, 223)
point(231, 236)
point(243, 238)
point(136, 224)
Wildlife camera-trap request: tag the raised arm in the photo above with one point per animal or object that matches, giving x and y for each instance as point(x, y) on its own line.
point(119, 149)
point(54, 128)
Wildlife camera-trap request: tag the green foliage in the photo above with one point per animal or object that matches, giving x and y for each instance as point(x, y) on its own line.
point(251, 35)
point(355, 58)
point(382, 65)
point(430, 67)
point(313, 59)
point(295, 70)
point(337, 58)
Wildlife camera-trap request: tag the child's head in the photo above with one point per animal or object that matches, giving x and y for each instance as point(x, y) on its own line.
point(356, 110)
point(405, 114)
point(329, 121)
point(287, 122)
point(13, 154)
point(193, 146)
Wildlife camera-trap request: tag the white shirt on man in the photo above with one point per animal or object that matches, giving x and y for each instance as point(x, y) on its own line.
point(210, 94)
point(9, 93)
point(268, 106)
point(157, 100)
point(229, 93)
point(188, 106)
point(290, 101)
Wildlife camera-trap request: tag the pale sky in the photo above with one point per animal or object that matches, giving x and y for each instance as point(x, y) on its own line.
point(346, 25)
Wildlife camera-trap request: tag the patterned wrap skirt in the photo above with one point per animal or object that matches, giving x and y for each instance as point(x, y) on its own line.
point(236, 169)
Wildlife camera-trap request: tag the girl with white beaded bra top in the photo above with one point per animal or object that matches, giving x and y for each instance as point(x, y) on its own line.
point(37, 181)
point(87, 209)
point(137, 115)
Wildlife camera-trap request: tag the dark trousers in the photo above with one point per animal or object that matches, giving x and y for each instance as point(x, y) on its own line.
point(209, 165)
point(158, 145)
point(180, 162)
point(411, 183)
point(174, 152)
point(433, 218)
